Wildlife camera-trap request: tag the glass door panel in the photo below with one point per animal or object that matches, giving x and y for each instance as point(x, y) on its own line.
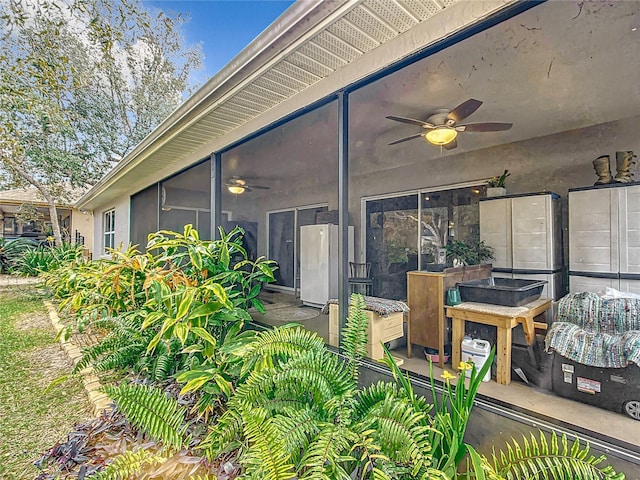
point(392, 243)
point(281, 246)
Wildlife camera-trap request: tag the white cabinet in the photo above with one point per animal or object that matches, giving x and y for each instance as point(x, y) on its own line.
point(525, 234)
point(604, 238)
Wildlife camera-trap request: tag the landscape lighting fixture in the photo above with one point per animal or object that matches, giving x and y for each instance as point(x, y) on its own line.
point(441, 135)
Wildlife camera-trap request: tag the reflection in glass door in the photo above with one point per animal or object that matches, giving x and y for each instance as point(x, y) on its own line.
point(284, 241)
point(392, 246)
point(411, 231)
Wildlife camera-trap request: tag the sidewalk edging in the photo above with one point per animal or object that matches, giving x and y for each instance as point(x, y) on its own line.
point(99, 400)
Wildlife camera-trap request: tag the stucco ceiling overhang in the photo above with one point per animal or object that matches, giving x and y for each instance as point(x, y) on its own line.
point(315, 48)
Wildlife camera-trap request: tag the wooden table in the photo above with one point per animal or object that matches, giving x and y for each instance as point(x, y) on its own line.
point(505, 319)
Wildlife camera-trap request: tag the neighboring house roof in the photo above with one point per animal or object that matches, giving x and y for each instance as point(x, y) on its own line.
point(19, 196)
point(314, 49)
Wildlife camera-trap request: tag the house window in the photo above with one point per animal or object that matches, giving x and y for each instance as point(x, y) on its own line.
point(109, 224)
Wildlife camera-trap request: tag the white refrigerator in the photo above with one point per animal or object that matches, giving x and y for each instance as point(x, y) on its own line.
point(319, 263)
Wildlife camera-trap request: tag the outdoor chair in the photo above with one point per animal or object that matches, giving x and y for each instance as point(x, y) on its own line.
point(360, 278)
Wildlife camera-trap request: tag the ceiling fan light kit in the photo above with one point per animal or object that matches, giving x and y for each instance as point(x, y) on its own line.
point(238, 186)
point(441, 127)
point(441, 135)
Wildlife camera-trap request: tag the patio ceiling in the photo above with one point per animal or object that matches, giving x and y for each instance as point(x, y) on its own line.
point(308, 44)
point(560, 66)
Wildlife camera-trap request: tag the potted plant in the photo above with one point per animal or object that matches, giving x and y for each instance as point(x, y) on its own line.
point(495, 186)
point(473, 253)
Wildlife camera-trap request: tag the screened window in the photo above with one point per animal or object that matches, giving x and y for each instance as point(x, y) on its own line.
point(109, 224)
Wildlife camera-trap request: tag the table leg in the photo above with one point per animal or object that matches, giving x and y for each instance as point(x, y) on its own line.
point(503, 352)
point(409, 336)
point(457, 335)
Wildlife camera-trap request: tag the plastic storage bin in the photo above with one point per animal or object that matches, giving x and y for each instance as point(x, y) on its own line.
point(476, 352)
point(509, 292)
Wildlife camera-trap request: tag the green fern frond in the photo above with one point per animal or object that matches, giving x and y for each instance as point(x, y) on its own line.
point(108, 346)
point(401, 433)
point(539, 459)
point(354, 335)
point(324, 456)
point(124, 357)
point(320, 374)
point(151, 410)
point(224, 436)
point(128, 465)
point(273, 346)
point(267, 457)
point(313, 376)
point(296, 428)
point(376, 394)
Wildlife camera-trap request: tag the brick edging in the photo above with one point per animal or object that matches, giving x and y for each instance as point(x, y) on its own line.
point(98, 399)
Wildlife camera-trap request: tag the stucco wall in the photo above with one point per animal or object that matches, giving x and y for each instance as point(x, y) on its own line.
point(553, 163)
point(121, 224)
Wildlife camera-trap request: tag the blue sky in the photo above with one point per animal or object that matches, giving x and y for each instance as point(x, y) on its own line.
point(224, 27)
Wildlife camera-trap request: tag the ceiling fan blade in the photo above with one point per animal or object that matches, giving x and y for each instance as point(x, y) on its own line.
point(451, 145)
point(261, 187)
point(463, 110)
point(484, 127)
point(407, 138)
point(411, 121)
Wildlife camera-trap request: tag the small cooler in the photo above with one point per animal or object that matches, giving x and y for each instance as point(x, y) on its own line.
point(476, 352)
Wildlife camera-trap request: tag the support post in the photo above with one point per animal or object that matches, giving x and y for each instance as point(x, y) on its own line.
point(343, 209)
point(216, 194)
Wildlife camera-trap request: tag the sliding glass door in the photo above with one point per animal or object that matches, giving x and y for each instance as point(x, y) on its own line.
point(411, 231)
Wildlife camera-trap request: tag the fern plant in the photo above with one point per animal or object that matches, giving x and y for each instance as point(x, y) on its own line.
point(153, 411)
point(303, 402)
point(538, 458)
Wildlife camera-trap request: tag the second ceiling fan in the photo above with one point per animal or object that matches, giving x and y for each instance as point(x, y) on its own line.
point(442, 126)
point(238, 186)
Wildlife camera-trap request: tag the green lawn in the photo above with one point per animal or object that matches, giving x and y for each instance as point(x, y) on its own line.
point(32, 420)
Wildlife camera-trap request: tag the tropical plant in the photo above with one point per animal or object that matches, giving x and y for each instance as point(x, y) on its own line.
point(44, 259)
point(11, 251)
point(301, 414)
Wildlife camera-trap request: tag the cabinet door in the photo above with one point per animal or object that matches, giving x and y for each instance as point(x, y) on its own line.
point(532, 232)
point(593, 230)
point(495, 229)
point(591, 284)
point(629, 216)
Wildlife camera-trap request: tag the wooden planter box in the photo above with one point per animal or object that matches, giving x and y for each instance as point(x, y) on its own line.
point(381, 329)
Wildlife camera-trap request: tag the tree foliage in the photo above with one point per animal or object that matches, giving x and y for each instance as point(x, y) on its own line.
point(81, 84)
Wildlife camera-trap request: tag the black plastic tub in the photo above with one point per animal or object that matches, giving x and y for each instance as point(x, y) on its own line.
point(510, 292)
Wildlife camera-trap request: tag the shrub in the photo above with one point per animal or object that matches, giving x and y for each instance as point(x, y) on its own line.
point(44, 259)
point(11, 252)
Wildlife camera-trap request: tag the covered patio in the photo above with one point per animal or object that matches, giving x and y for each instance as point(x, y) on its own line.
point(297, 127)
